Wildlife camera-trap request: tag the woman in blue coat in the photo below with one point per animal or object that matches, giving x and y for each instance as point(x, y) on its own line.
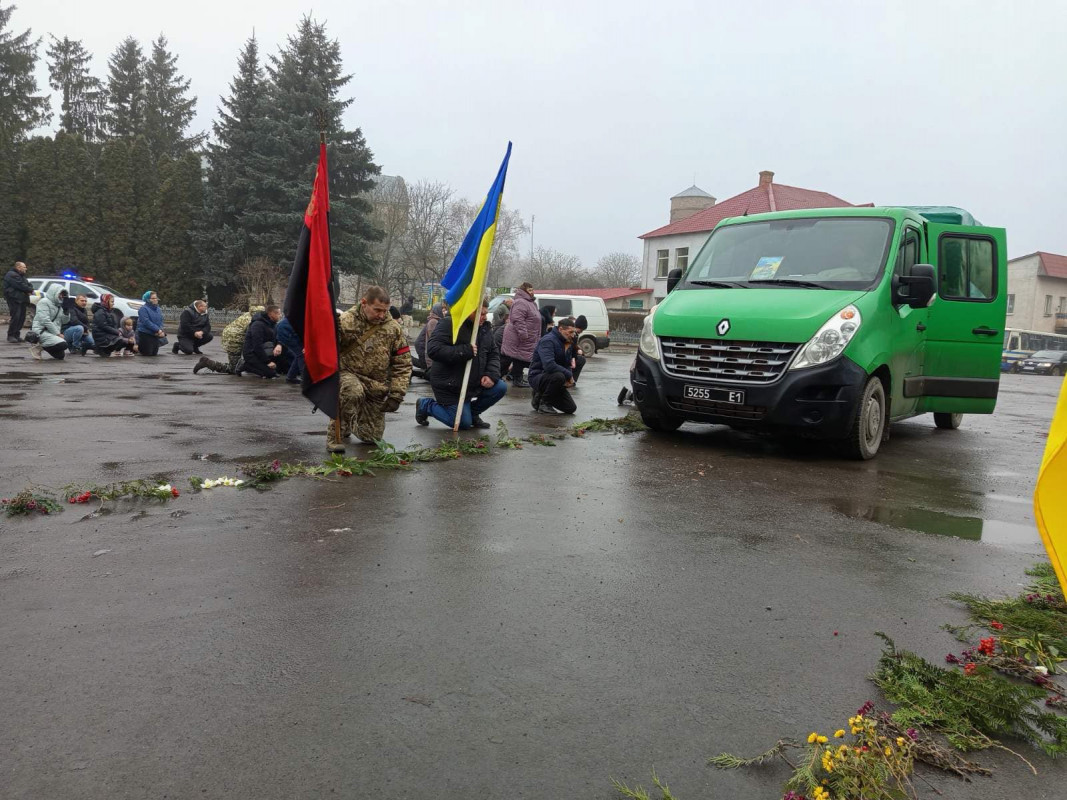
point(150, 333)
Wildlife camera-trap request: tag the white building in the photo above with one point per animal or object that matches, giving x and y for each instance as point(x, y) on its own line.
point(1037, 293)
point(695, 213)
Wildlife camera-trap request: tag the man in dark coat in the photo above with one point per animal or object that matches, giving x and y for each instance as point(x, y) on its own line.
point(263, 353)
point(17, 291)
point(77, 331)
point(550, 371)
point(484, 387)
point(194, 329)
point(107, 328)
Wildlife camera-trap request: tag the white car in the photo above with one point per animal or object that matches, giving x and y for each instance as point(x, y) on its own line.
point(90, 288)
point(596, 337)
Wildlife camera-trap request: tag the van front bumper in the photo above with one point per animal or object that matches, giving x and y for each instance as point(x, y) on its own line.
point(818, 402)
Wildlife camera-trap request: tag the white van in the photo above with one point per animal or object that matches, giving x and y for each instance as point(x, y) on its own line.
point(596, 337)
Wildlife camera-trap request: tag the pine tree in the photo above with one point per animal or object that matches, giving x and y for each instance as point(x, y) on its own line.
point(178, 204)
point(144, 229)
point(235, 163)
point(57, 181)
point(116, 216)
point(21, 111)
point(21, 108)
point(126, 91)
point(168, 111)
point(306, 81)
point(83, 96)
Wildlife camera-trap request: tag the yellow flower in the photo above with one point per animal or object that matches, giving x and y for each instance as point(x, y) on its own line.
point(889, 751)
point(822, 739)
point(900, 741)
point(839, 734)
point(812, 737)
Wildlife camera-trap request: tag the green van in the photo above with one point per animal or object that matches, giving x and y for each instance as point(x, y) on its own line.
point(829, 323)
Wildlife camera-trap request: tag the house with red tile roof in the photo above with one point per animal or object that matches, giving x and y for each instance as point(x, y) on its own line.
point(632, 299)
point(1037, 293)
point(695, 213)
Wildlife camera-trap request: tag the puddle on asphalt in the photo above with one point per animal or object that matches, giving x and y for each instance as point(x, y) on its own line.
point(13, 396)
point(939, 523)
point(214, 458)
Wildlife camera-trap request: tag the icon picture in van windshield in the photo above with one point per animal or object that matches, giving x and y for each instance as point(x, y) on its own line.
point(723, 327)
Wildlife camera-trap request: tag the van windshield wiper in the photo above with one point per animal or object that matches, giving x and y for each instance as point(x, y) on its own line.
point(720, 284)
point(792, 282)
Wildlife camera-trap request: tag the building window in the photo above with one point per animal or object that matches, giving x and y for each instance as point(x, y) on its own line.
point(1048, 305)
point(663, 263)
point(681, 258)
point(1062, 309)
point(1011, 304)
point(637, 303)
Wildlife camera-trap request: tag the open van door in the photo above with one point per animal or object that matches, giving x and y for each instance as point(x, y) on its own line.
point(965, 326)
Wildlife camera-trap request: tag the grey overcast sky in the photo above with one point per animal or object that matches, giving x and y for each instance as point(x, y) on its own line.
point(614, 106)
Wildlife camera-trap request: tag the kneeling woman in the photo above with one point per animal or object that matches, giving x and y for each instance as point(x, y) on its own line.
point(150, 333)
point(107, 332)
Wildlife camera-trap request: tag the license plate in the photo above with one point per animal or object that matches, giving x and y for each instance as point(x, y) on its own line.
point(1030, 369)
point(691, 392)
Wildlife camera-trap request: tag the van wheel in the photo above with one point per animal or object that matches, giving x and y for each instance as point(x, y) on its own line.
point(868, 423)
point(946, 421)
point(588, 345)
point(659, 422)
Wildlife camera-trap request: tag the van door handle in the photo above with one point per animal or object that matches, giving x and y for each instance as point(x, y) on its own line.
point(920, 327)
point(985, 332)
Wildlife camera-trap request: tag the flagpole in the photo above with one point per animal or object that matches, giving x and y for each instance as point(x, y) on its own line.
point(337, 419)
point(467, 369)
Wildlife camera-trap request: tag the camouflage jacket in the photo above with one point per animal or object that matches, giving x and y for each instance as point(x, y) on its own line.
point(377, 353)
point(233, 335)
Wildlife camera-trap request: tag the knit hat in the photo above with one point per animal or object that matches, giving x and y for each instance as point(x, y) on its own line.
point(581, 322)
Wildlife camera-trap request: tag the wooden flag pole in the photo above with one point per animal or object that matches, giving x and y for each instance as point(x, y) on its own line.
point(337, 419)
point(467, 369)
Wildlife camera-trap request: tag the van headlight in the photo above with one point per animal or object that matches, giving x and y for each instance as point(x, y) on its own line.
point(649, 343)
point(830, 340)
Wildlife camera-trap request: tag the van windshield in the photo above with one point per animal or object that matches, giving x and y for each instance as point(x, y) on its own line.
point(1047, 355)
point(812, 253)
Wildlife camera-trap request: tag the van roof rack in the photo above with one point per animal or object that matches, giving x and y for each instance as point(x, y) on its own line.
point(949, 215)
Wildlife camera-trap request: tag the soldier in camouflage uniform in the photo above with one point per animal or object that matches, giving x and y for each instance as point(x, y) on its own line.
point(233, 342)
point(375, 369)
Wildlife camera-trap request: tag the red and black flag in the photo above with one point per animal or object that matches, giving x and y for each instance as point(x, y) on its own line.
point(310, 305)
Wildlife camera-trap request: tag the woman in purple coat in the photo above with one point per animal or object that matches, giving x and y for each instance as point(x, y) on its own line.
point(521, 333)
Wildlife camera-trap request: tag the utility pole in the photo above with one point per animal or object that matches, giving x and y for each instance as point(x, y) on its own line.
point(532, 218)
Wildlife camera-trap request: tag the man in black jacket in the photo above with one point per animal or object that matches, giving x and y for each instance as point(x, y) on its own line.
point(77, 331)
point(263, 354)
point(194, 329)
point(17, 292)
point(550, 371)
point(484, 387)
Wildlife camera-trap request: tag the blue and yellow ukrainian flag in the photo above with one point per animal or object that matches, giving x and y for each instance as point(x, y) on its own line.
point(1050, 495)
point(465, 280)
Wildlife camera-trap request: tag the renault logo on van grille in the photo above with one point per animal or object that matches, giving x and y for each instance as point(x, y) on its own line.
point(723, 327)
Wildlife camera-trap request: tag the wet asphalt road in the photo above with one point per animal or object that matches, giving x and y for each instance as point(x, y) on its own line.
point(524, 625)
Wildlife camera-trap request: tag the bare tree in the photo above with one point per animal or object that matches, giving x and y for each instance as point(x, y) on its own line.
point(551, 269)
point(260, 282)
point(618, 270)
point(510, 228)
point(425, 245)
point(390, 200)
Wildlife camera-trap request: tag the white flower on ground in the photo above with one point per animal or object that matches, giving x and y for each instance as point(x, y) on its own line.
point(1042, 670)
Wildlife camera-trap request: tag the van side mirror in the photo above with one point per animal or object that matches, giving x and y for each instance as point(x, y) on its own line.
point(673, 277)
point(918, 289)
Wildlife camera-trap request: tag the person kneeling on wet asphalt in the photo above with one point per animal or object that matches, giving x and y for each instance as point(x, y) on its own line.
point(550, 371)
point(263, 353)
point(194, 329)
point(76, 331)
point(577, 354)
point(484, 387)
point(150, 333)
point(375, 362)
point(294, 349)
point(107, 329)
point(48, 324)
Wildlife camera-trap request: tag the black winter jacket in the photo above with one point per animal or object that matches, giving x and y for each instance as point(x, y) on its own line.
point(107, 325)
point(259, 339)
point(551, 355)
point(16, 288)
point(192, 321)
point(76, 315)
point(449, 360)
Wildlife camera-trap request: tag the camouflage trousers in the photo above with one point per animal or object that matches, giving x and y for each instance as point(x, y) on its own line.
point(361, 411)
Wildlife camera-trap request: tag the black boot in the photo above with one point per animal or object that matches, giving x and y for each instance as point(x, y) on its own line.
point(175, 349)
point(214, 366)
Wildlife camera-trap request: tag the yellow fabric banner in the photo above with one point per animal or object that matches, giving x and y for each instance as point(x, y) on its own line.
point(1050, 496)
